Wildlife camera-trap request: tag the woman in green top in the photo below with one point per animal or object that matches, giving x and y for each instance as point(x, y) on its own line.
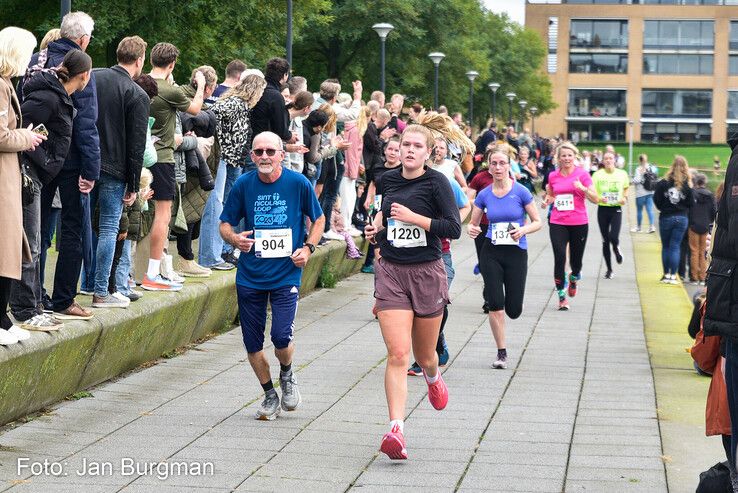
point(611, 184)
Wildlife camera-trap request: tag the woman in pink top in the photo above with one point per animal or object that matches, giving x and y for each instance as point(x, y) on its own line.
point(354, 134)
point(568, 187)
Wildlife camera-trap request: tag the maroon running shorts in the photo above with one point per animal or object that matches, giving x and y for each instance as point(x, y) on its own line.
point(422, 288)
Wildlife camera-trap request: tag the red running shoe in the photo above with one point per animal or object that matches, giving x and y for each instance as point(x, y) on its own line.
point(393, 444)
point(437, 392)
point(572, 291)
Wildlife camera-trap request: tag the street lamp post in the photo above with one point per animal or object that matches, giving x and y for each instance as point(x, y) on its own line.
point(493, 86)
point(510, 96)
point(533, 111)
point(523, 103)
point(436, 57)
point(383, 29)
point(471, 75)
point(289, 32)
point(66, 7)
point(630, 147)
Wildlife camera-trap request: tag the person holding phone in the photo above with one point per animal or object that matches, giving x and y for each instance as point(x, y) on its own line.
point(273, 203)
point(504, 257)
point(48, 106)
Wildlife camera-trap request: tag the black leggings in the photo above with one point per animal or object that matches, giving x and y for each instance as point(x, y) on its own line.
point(184, 241)
point(5, 322)
point(609, 219)
point(504, 269)
point(576, 238)
point(479, 242)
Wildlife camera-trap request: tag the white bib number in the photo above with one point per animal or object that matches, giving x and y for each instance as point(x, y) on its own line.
point(273, 243)
point(611, 198)
point(564, 202)
point(405, 235)
point(500, 233)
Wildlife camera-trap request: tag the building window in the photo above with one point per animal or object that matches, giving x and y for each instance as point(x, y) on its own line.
point(596, 131)
point(596, 102)
point(586, 33)
point(679, 2)
point(598, 63)
point(679, 34)
point(732, 129)
point(733, 105)
point(675, 132)
point(676, 103)
point(685, 64)
point(733, 35)
point(733, 65)
point(553, 35)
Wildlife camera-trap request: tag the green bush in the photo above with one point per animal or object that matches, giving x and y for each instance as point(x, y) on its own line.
point(328, 278)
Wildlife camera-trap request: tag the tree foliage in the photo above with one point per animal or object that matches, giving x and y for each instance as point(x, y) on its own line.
point(332, 38)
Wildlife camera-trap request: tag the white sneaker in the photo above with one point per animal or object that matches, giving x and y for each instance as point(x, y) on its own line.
point(635, 229)
point(652, 229)
point(20, 334)
point(332, 235)
point(167, 270)
point(121, 297)
point(7, 338)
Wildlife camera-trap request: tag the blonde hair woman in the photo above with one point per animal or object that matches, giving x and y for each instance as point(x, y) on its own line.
point(411, 289)
point(567, 188)
point(673, 197)
point(52, 35)
point(16, 48)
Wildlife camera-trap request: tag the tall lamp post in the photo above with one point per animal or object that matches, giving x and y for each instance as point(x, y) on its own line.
point(471, 75)
point(630, 147)
point(66, 7)
point(533, 111)
point(493, 86)
point(383, 29)
point(523, 103)
point(289, 32)
point(510, 96)
point(436, 57)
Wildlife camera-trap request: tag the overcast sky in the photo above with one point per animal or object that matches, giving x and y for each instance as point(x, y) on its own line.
point(514, 8)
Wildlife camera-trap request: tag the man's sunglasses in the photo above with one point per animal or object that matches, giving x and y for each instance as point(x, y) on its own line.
point(260, 152)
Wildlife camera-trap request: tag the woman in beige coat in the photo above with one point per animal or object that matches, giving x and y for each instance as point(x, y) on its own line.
point(16, 48)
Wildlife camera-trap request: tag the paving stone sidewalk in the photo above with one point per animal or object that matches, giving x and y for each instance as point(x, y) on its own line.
point(575, 410)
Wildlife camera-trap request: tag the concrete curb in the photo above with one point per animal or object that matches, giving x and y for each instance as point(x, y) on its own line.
point(50, 366)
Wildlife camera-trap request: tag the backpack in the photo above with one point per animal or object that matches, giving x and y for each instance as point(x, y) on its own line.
point(715, 480)
point(650, 178)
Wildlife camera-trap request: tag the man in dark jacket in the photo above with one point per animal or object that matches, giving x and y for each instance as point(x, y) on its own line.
point(80, 171)
point(270, 114)
point(721, 308)
point(122, 123)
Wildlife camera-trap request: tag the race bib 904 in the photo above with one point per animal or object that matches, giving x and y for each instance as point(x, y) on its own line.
point(405, 235)
point(564, 202)
point(273, 243)
point(500, 233)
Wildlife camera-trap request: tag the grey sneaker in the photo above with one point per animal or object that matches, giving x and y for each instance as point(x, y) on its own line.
point(290, 393)
point(269, 409)
point(109, 301)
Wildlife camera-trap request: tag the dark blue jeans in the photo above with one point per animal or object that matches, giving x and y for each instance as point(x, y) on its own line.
point(330, 189)
point(671, 229)
point(731, 381)
point(69, 262)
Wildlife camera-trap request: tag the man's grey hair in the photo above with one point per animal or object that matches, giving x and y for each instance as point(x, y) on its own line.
point(76, 24)
point(297, 84)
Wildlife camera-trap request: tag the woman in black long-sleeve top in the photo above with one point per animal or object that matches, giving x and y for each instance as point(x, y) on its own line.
point(673, 197)
point(417, 210)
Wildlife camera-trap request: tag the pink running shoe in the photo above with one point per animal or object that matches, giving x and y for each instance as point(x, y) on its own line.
point(437, 392)
point(393, 444)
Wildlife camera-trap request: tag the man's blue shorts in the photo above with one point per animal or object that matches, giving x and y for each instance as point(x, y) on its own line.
point(252, 309)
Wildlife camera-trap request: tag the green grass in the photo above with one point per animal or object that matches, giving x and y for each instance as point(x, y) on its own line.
point(699, 157)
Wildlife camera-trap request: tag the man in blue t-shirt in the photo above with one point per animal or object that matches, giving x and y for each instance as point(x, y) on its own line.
point(273, 203)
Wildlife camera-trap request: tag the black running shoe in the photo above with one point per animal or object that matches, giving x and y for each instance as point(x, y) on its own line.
point(618, 255)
